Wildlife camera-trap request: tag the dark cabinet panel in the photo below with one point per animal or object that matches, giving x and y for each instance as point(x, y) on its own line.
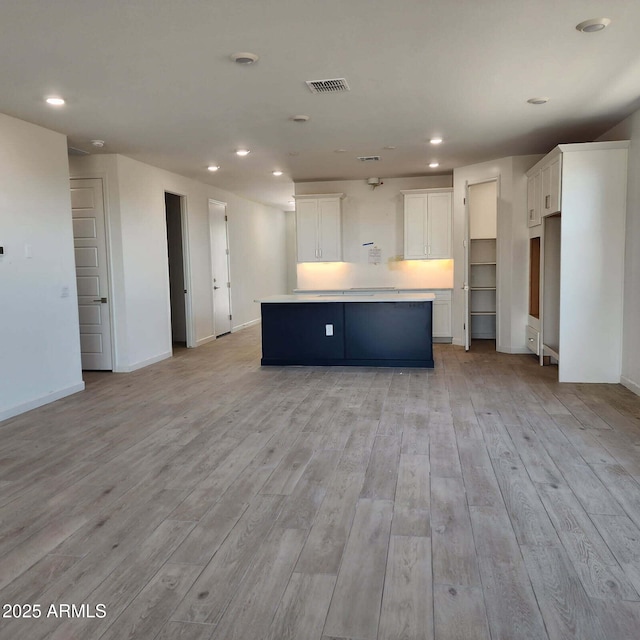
point(297, 333)
point(388, 331)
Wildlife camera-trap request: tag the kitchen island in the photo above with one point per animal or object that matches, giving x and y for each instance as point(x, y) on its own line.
point(355, 329)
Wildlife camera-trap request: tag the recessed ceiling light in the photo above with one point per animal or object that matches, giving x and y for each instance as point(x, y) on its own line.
point(300, 118)
point(98, 143)
point(540, 100)
point(243, 152)
point(435, 140)
point(244, 57)
point(213, 167)
point(433, 165)
point(595, 24)
point(55, 101)
point(277, 173)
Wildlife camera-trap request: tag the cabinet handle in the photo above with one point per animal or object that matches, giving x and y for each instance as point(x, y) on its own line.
point(424, 250)
point(319, 253)
point(531, 211)
point(547, 202)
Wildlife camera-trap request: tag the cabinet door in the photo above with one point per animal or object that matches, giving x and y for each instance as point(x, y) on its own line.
point(554, 189)
point(307, 230)
point(551, 188)
point(534, 188)
point(329, 230)
point(439, 225)
point(442, 319)
point(415, 226)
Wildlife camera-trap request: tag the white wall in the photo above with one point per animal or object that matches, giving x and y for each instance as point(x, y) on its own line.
point(374, 215)
point(512, 247)
point(39, 333)
point(138, 248)
point(629, 129)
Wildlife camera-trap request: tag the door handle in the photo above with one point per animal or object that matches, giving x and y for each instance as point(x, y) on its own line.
point(215, 287)
point(101, 300)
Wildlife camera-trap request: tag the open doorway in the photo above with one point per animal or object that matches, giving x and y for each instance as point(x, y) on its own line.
point(177, 252)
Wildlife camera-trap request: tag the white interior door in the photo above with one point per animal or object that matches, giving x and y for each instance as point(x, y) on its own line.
point(221, 280)
point(90, 241)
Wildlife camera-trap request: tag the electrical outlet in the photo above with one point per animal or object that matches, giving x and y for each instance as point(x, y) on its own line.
point(328, 329)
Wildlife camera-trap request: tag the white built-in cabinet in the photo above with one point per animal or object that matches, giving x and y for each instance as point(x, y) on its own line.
point(427, 224)
point(319, 227)
point(543, 189)
point(576, 282)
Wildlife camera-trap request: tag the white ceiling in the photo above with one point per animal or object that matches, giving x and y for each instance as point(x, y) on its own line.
point(154, 79)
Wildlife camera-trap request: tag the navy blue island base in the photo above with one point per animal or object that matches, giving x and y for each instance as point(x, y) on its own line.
point(379, 334)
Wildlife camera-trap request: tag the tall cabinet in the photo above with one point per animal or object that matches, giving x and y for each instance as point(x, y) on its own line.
point(577, 227)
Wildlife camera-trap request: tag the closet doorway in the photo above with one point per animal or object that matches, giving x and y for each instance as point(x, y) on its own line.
point(178, 260)
point(481, 264)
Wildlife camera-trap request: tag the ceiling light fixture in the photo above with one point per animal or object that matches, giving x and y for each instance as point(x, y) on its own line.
point(540, 100)
point(300, 118)
point(55, 101)
point(277, 173)
point(244, 58)
point(433, 165)
point(593, 25)
point(243, 152)
point(213, 167)
point(435, 140)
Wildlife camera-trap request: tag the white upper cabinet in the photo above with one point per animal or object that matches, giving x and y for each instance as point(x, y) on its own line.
point(427, 224)
point(543, 189)
point(534, 195)
point(551, 187)
point(319, 228)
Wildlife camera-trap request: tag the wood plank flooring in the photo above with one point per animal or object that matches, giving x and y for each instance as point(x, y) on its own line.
point(207, 498)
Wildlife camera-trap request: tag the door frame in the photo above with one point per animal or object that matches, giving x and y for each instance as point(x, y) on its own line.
point(466, 245)
point(102, 176)
point(226, 231)
point(186, 267)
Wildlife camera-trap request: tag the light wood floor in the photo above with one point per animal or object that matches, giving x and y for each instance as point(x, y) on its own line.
point(206, 497)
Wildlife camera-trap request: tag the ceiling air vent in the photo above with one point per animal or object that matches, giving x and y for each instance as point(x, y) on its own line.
point(335, 85)
point(368, 158)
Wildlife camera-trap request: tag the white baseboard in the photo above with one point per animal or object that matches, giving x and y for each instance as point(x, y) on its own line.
point(41, 401)
point(251, 323)
point(146, 363)
point(515, 350)
point(630, 384)
point(202, 341)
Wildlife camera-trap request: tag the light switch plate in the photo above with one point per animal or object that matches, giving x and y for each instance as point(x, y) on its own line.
point(328, 329)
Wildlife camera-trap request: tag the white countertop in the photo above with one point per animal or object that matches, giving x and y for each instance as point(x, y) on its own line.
point(351, 297)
